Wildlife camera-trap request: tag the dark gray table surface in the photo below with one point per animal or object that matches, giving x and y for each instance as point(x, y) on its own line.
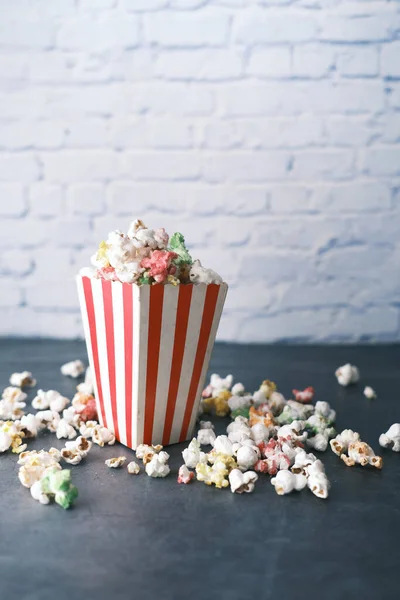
point(148, 539)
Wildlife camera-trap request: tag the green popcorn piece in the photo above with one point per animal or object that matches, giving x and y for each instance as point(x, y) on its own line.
point(241, 412)
point(58, 484)
point(177, 245)
point(67, 498)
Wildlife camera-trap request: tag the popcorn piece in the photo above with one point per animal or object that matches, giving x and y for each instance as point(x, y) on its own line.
point(56, 484)
point(35, 465)
point(341, 442)
point(246, 457)
point(86, 387)
point(262, 414)
point(294, 411)
point(115, 463)
point(276, 403)
point(217, 384)
point(86, 429)
point(242, 482)
point(31, 424)
point(391, 439)
point(101, 435)
point(74, 369)
point(302, 460)
point(212, 475)
point(238, 402)
point(304, 396)
point(24, 379)
point(49, 400)
point(85, 406)
point(49, 419)
point(260, 433)
point(177, 245)
point(238, 389)
point(239, 430)
point(267, 388)
point(361, 453)
point(206, 425)
point(158, 466)
point(319, 442)
point(223, 445)
point(199, 274)
point(65, 430)
point(11, 437)
point(76, 450)
point(369, 393)
point(184, 475)
point(192, 455)
point(159, 264)
point(146, 453)
point(206, 437)
point(293, 430)
point(12, 403)
point(286, 482)
point(317, 480)
point(347, 374)
point(133, 468)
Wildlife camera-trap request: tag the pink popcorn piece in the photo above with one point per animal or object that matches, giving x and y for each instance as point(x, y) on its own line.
point(107, 273)
point(185, 475)
point(159, 264)
point(89, 413)
point(304, 396)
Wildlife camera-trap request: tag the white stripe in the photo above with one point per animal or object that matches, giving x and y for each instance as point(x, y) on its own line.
point(192, 338)
point(165, 360)
point(141, 331)
point(210, 345)
point(86, 329)
point(102, 348)
point(119, 344)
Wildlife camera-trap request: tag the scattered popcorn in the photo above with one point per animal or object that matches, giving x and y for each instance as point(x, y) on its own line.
point(146, 453)
point(49, 400)
point(223, 445)
point(362, 454)
point(213, 475)
point(184, 475)
point(369, 393)
point(239, 402)
point(31, 424)
point(12, 403)
point(76, 450)
point(242, 482)
point(85, 406)
point(36, 464)
point(247, 456)
point(192, 455)
point(24, 379)
point(55, 484)
point(49, 419)
point(158, 466)
point(302, 461)
point(206, 425)
point(341, 442)
point(73, 369)
point(133, 468)
point(304, 396)
point(199, 274)
point(391, 439)
point(65, 430)
point(115, 463)
point(86, 429)
point(286, 482)
point(347, 374)
point(217, 384)
point(238, 389)
point(86, 387)
point(206, 437)
point(101, 435)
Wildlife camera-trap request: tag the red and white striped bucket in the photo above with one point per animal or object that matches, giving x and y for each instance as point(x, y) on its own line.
point(149, 348)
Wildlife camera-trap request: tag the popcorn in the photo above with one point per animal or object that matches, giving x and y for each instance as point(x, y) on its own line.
point(246, 457)
point(286, 482)
point(302, 460)
point(115, 463)
point(317, 480)
point(217, 384)
point(242, 482)
point(391, 439)
point(101, 435)
point(177, 245)
point(347, 374)
point(11, 436)
point(238, 402)
point(262, 414)
point(206, 425)
point(224, 460)
point(85, 406)
point(50, 399)
point(239, 430)
point(192, 455)
point(133, 468)
point(276, 403)
point(65, 430)
point(75, 451)
point(223, 445)
point(32, 424)
point(212, 475)
point(184, 475)
point(238, 389)
point(86, 429)
point(362, 454)
point(159, 265)
point(198, 274)
point(304, 396)
point(74, 369)
point(55, 484)
point(24, 379)
point(341, 442)
point(206, 437)
point(260, 433)
point(318, 442)
point(369, 393)
point(86, 387)
point(12, 403)
point(49, 419)
point(146, 453)
point(158, 466)
point(34, 465)
point(294, 411)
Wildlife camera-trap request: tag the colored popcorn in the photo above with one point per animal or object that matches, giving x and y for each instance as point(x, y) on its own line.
point(133, 468)
point(73, 369)
point(115, 463)
point(185, 475)
point(304, 396)
point(24, 379)
point(347, 374)
point(55, 484)
point(369, 393)
point(391, 439)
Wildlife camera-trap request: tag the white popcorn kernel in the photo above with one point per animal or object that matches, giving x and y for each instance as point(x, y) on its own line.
point(324, 410)
point(238, 389)
point(318, 442)
point(341, 442)
point(301, 461)
point(192, 455)
point(133, 468)
point(206, 437)
point(347, 374)
point(206, 425)
point(12, 403)
point(32, 424)
point(65, 430)
point(76, 450)
point(5, 441)
point(391, 439)
point(260, 433)
point(86, 387)
point(35, 464)
point(115, 463)
point(286, 482)
point(236, 402)
point(223, 445)
point(73, 369)
point(317, 480)
point(86, 429)
point(242, 482)
point(71, 456)
point(369, 393)
point(49, 418)
point(199, 274)
point(49, 400)
point(158, 466)
point(38, 494)
point(294, 430)
point(101, 435)
point(146, 452)
point(246, 457)
point(24, 379)
point(259, 397)
point(276, 402)
point(361, 453)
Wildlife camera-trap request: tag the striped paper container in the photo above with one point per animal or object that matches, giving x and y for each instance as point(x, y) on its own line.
point(149, 348)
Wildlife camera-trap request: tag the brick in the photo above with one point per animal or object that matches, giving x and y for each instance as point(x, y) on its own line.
point(290, 199)
point(41, 8)
point(12, 200)
point(306, 233)
point(18, 167)
point(315, 60)
point(72, 232)
point(45, 200)
point(390, 63)
point(350, 131)
point(51, 262)
point(353, 197)
point(70, 166)
point(28, 33)
point(162, 165)
point(381, 160)
point(51, 67)
point(322, 294)
point(393, 91)
point(209, 65)
point(246, 166)
point(274, 266)
point(222, 134)
point(144, 5)
point(100, 34)
point(270, 62)
point(15, 262)
point(285, 132)
point(86, 199)
point(322, 164)
point(125, 196)
point(236, 200)
point(175, 29)
point(88, 133)
point(352, 261)
point(260, 27)
point(23, 135)
point(10, 295)
point(171, 99)
point(140, 132)
point(389, 126)
point(24, 233)
point(57, 293)
point(97, 4)
point(347, 96)
point(13, 67)
point(139, 64)
point(360, 28)
point(359, 62)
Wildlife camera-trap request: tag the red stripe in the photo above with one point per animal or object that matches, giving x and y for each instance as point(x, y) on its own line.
point(87, 289)
point(128, 345)
point(181, 324)
point(210, 303)
point(109, 323)
point(153, 355)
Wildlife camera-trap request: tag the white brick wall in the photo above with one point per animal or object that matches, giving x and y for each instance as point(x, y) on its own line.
point(268, 131)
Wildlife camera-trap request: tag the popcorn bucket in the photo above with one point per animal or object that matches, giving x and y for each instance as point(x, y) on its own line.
point(149, 348)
